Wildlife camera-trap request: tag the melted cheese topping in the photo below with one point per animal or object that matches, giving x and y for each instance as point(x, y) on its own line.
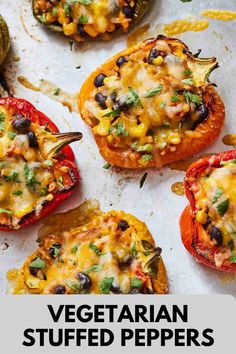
point(95, 18)
point(215, 195)
point(96, 258)
point(27, 178)
point(148, 103)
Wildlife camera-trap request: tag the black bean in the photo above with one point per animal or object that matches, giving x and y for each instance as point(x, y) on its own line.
point(85, 281)
point(115, 289)
point(99, 80)
point(101, 100)
point(81, 30)
point(21, 124)
point(60, 289)
point(33, 271)
point(33, 142)
point(216, 235)
point(203, 112)
point(208, 223)
point(53, 250)
point(127, 260)
point(113, 97)
point(128, 11)
point(121, 60)
point(154, 53)
point(123, 225)
point(123, 106)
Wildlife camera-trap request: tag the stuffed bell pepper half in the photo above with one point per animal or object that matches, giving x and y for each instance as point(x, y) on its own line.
point(37, 169)
point(208, 224)
point(152, 104)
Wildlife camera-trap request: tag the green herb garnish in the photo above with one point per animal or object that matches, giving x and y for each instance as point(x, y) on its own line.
point(38, 263)
point(83, 19)
point(107, 166)
point(74, 249)
point(105, 285)
point(218, 194)
point(136, 283)
point(94, 248)
point(223, 207)
point(5, 211)
point(134, 250)
point(11, 135)
point(143, 179)
point(187, 82)
point(191, 97)
point(94, 268)
point(114, 113)
point(154, 92)
point(17, 193)
point(2, 121)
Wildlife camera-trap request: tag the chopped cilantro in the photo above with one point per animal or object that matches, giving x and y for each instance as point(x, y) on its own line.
point(133, 98)
point(17, 193)
point(13, 177)
point(162, 105)
point(83, 19)
point(2, 121)
point(44, 192)
point(134, 250)
point(74, 249)
point(107, 166)
point(233, 257)
point(191, 97)
point(223, 207)
point(56, 92)
point(2, 211)
point(29, 175)
point(146, 157)
point(113, 113)
point(94, 248)
point(38, 263)
point(136, 283)
point(11, 135)
point(105, 285)
point(73, 285)
point(94, 268)
point(217, 195)
point(187, 82)
point(119, 129)
point(154, 92)
point(175, 99)
point(143, 179)
point(222, 163)
point(187, 72)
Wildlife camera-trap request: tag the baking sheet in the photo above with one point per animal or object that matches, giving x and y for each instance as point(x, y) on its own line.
point(46, 55)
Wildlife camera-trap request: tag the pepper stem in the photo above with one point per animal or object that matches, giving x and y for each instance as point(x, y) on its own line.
point(58, 141)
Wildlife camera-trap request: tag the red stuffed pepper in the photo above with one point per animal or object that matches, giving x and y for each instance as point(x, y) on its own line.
point(37, 169)
point(208, 224)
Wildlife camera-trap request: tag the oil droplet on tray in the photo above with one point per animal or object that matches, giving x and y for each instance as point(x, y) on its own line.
point(229, 139)
point(51, 90)
point(185, 25)
point(139, 35)
point(178, 188)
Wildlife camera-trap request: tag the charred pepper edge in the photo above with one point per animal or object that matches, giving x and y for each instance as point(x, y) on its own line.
point(141, 8)
point(68, 159)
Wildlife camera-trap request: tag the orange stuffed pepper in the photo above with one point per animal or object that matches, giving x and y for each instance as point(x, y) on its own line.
point(152, 104)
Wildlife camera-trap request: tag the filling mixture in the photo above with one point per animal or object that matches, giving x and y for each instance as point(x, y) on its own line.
point(149, 101)
point(86, 18)
point(29, 174)
point(108, 255)
point(215, 195)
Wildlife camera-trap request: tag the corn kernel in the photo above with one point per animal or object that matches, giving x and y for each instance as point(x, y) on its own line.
point(201, 217)
point(158, 61)
point(70, 28)
point(102, 128)
point(20, 213)
point(186, 107)
point(90, 30)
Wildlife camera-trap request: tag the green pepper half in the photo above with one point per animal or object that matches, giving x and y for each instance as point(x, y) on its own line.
point(4, 39)
point(85, 20)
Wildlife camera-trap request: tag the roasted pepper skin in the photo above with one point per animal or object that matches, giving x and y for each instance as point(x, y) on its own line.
point(141, 8)
point(207, 131)
point(192, 232)
point(26, 108)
